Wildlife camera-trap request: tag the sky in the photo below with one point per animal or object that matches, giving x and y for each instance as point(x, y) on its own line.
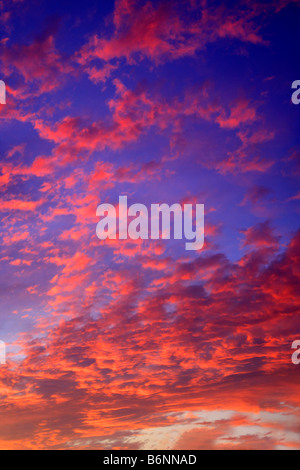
point(140, 344)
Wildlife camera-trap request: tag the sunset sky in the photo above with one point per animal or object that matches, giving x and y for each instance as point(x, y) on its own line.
point(140, 344)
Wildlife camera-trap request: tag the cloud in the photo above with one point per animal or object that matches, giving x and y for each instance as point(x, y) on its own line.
point(161, 34)
point(41, 66)
point(125, 345)
point(261, 235)
point(138, 344)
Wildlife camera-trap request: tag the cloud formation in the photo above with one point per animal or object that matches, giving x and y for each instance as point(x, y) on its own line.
point(137, 344)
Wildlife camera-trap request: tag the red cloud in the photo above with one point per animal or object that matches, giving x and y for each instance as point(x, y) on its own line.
point(260, 236)
point(41, 66)
point(213, 332)
point(160, 33)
